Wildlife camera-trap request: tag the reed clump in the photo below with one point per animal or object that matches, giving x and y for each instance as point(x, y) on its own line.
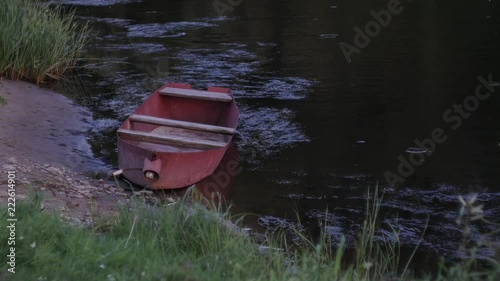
point(38, 41)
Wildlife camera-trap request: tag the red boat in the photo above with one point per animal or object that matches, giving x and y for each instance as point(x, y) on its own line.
point(177, 136)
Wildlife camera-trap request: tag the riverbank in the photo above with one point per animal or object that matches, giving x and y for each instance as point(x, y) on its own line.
point(44, 126)
point(64, 192)
point(42, 140)
point(183, 241)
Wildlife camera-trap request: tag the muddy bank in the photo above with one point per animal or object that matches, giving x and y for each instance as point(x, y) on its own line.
point(42, 139)
point(44, 126)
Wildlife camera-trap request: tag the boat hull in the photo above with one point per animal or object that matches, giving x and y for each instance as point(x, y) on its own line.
point(177, 169)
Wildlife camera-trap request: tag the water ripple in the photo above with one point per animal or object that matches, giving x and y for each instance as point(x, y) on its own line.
point(97, 2)
point(169, 29)
point(268, 130)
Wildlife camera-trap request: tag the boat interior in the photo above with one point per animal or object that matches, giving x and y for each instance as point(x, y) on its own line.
point(177, 119)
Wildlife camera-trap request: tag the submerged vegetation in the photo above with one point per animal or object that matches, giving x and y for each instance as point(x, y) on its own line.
point(184, 241)
point(38, 41)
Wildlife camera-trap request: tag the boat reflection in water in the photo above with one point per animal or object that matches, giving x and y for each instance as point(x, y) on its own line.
point(212, 190)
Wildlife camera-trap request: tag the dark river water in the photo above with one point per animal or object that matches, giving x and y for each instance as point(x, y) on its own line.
point(316, 130)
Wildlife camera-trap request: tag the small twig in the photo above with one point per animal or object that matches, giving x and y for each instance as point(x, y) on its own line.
point(131, 230)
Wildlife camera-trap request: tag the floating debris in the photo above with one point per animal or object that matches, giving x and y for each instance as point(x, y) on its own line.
point(328, 36)
point(417, 150)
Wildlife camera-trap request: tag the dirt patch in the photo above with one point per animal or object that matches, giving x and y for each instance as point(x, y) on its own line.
point(42, 139)
point(75, 197)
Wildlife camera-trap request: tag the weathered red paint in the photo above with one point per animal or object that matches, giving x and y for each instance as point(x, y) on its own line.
point(180, 168)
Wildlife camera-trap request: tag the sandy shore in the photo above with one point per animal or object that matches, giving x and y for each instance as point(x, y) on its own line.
point(44, 126)
point(42, 139)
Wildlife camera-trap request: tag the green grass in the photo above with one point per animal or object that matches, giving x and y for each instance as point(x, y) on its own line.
point(38, 42)
point(186, 242)
point(2, 101)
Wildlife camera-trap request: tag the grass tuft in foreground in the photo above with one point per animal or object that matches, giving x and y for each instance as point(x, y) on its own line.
point(38, 41)
point(184, 241)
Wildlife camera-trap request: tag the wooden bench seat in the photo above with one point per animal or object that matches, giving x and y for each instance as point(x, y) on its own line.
point(196, 94)
point(181, 124)
point(170, 139)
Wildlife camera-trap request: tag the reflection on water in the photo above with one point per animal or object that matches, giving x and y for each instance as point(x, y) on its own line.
point(169, 29)
point(266, 131)
point(314, 131)
point(213, 190)
point(98, 2)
